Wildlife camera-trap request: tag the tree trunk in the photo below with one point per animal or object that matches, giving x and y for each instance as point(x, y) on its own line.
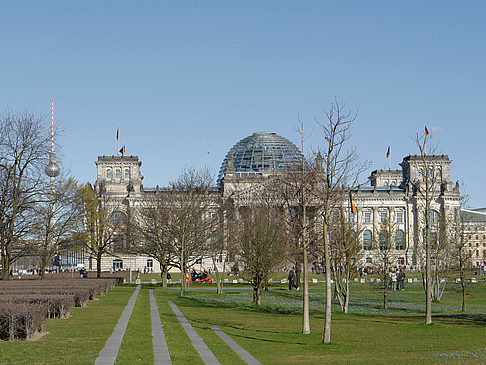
point(98, 265)
point(257, 293)
point(43, 269)
point(385, 289)
point(6, 263)
point(183, 278)
point(163, 270)
point(463, 283)
point(327, 263)
point(305, 297)
point(346, 300)
point(218, 276)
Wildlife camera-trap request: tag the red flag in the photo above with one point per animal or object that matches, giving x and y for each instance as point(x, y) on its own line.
point(388, 152)
point(426, 132)
point(353, 207)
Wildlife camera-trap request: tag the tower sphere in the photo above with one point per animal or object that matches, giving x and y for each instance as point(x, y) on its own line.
point(52, 169)
point(262, 152)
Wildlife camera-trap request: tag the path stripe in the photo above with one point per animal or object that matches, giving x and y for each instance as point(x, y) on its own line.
point(206, 355)
point(109, 353)
point(161, 351)
point(245, 355)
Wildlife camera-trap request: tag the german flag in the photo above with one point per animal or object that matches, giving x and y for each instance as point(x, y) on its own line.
point(426, 132)
point(388, 152)
point(351, 204)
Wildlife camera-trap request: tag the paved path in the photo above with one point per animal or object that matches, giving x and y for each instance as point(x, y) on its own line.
point(109, 353)
point(206, 355)
point(245, 355)
point(161, 352)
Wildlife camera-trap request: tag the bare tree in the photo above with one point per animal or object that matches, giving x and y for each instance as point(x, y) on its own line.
point(428, 189)
point(260, 242)
point(192, 217)
point(220, 245)
point(460, 255)
point(386, 234)
point(298, 190)
point(152, 230)
point(55, 222)
point(99, 229)
point(339, 169)
point(23, 147)
point(345, 254)
point(440, 255)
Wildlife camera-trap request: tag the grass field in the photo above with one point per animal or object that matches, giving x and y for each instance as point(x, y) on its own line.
point(270, 332)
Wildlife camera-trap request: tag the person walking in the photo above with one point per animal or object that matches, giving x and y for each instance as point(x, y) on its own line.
point(291, 278)
point(401, 280)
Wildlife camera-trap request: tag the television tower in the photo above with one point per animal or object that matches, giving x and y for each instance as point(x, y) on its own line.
point(52, 170)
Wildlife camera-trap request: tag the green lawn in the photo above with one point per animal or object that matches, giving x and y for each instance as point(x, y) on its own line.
point(270, 332)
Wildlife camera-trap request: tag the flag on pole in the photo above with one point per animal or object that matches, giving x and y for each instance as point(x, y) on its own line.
point(388, 152)
point(426, 132)
point(122, 150)
point(353, 207)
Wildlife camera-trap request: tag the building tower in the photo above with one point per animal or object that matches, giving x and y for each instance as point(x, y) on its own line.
point(52, 170)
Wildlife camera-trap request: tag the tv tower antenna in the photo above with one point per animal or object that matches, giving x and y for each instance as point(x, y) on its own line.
point(52, 170)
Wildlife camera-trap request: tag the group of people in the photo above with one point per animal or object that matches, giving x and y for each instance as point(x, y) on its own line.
point(198, 275)
point(396, 279)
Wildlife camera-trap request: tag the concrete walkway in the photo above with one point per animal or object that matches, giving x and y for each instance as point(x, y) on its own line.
point(206, 355)
point(109, 353)
point(161, 352)
point(245, 355)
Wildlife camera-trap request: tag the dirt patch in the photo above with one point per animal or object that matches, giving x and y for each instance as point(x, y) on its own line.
point(37, 336)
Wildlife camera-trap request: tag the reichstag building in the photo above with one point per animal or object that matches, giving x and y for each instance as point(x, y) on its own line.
point(392, 195)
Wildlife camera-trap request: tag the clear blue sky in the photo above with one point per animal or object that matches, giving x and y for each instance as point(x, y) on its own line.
point(186, 80)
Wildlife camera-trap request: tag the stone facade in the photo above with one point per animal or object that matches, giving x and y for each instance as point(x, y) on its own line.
point(395, 195)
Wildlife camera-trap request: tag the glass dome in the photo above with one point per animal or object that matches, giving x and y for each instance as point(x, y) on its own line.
point(262, 152)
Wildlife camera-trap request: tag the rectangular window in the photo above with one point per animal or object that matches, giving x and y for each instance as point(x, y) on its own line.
point(382, 217)
point(399, 217)
point(351, 217)
point(367, 217)
point(150, 263)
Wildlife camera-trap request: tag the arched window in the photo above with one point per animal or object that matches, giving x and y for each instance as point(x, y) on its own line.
point(438, 172)
point(118, 218)
point(421, 172)
point(108, 173)
point(127, 173)
point(385, 183)
point(367, 240)
point(117, 173)
point(393, 183)
point(399, 240)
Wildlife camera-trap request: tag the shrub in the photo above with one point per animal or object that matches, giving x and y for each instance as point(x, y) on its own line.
point(21, 321)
